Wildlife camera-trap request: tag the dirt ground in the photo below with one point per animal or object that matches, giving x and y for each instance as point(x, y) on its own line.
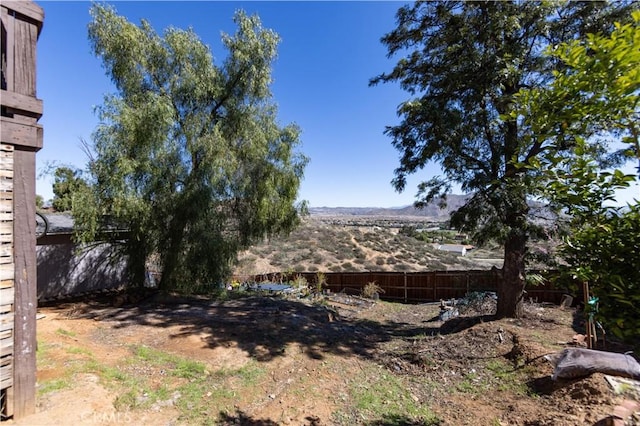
point(269, 360)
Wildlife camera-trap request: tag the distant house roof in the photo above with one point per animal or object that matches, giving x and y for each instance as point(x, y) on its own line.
point(60, 227)
point(461, 249)
point(59, 223)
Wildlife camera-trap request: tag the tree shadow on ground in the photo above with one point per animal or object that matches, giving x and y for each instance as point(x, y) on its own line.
point(242, 419)
point(261, 326)
point(545, 385)
point(399, 420)
point(459, 324)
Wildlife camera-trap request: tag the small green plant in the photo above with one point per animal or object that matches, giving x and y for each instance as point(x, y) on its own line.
point(507, 378)
point(67, 333)
point(321, 281)
point(199, 395)
point(299, 281)
point(126, 401)
point(372, 290)
point(380, 395)
point(42, 358)
point(109, 374)
point(53, 385)
point(471, 383)
point(79, 351)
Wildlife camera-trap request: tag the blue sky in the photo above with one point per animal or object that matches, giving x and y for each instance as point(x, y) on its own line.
point(328, 53)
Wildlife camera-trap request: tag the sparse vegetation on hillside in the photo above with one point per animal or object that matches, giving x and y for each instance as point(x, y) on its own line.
point(323, 245)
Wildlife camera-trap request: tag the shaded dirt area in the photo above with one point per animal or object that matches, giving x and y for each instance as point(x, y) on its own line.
point(267, 361)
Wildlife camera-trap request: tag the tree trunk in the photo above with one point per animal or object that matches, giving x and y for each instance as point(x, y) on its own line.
point(511, 286)
point(516, 210)
point(172, 255)
point(137, 265)
point(137, 250)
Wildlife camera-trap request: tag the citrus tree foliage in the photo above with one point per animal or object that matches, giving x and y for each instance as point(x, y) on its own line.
point(189, 157)
point(604, 253)
point(600, 240)
point(67, 183)
point(462, 65)
point(602, 250)
point(595, 94)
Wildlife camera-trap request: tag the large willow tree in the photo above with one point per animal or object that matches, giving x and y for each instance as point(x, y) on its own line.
point(188, 157)
point(462, 64)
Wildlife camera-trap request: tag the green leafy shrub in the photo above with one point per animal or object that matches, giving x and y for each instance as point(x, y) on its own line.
point(372, 290)
point(347, 266)
point(321, 281)
point(606, 256)
point(401, 267)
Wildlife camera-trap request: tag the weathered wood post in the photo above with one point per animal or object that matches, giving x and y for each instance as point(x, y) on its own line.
point(405, 288)
point(20, 139)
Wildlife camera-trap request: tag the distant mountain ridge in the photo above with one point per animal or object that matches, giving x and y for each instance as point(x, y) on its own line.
point(433, 209)
point(539, 213)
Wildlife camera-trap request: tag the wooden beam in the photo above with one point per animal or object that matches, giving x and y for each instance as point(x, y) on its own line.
point(27, 8)
point(6, 371)
point(20, 102)
point(24, 58)
point(8, 22)
point(6, 322)
point(7, 271)
point(20, 134)
point(53, 239)
point(26, 300)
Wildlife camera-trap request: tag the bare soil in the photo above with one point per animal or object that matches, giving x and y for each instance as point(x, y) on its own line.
point(311, 363)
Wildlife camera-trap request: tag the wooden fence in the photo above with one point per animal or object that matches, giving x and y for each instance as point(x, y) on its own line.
point(412, 287)
point(7, 274)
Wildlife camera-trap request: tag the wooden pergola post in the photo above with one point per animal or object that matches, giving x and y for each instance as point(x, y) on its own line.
point(20, 139)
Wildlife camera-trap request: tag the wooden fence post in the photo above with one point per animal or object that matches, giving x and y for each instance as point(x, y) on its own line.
point(405, 287)
point(21, 110)
point(435, 285)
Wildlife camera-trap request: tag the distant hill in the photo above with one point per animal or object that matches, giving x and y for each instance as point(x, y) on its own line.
point(357, 244)
point(432, 210)
point(539, 213)
point(357, 239)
